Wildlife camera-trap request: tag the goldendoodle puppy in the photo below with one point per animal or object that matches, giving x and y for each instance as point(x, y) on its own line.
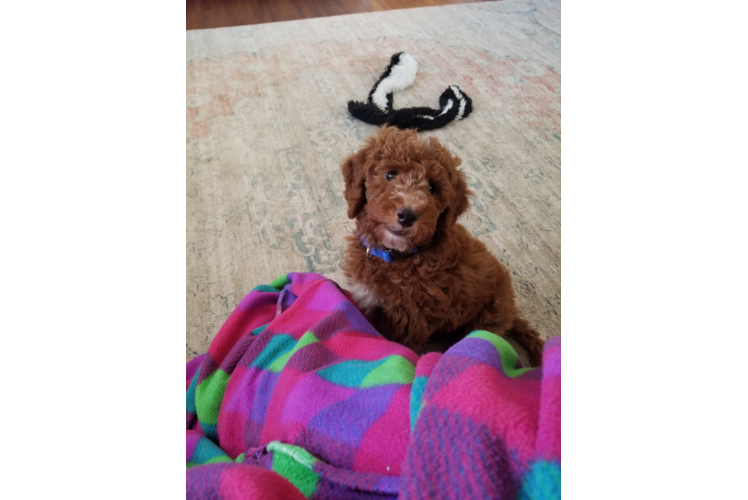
point(413, 270)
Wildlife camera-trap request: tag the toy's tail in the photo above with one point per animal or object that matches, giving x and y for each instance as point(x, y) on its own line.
point(530, 339)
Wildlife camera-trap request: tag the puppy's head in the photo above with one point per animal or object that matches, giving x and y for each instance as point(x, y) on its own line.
point(402, 188)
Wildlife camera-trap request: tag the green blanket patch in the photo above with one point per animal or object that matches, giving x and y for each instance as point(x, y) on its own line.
point(280, 282)
point(275, 286)
point(295, 464)
point(280, 362)
point(358, 373)
point(395, 370)
point(506, 352)
point(208, 398)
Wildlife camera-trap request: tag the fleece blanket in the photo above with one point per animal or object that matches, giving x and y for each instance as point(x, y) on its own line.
point(299, 397)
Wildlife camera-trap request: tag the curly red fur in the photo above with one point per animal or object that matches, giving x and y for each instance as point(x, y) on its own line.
point(452, 283)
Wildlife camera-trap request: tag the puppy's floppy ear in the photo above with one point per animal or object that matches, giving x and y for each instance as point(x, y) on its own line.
point(354, 174)
point(459, 202)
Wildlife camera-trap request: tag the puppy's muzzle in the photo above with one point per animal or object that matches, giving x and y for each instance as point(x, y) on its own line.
point(406, 216)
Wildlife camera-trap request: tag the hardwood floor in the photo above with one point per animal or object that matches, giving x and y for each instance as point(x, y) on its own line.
point(202, 14)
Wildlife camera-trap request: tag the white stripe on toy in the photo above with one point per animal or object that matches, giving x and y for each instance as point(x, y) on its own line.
point(463, 102)
point(402, 75)
point(447, 107)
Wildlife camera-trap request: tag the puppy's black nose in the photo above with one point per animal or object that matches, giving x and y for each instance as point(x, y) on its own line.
point(406, 217)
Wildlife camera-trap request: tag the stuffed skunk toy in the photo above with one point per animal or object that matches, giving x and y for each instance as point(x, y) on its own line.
point(399, 75)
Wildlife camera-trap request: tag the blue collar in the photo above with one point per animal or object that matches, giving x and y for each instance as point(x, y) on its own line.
point(379, 252)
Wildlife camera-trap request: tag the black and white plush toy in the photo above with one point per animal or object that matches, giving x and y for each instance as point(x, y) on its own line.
point(454, 104)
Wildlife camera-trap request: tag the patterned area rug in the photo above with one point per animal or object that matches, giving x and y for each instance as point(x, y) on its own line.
point(268, 127)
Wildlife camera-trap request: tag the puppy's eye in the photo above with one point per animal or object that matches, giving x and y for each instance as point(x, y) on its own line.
point(389, 175)
point(431, 188)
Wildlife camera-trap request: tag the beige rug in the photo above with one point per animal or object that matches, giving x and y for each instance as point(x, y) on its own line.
point(267, 128)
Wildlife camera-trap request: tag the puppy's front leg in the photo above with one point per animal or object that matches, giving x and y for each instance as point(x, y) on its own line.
point(401, 326)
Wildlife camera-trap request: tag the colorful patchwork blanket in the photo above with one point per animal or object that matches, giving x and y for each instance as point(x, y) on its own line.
point(299, 397)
